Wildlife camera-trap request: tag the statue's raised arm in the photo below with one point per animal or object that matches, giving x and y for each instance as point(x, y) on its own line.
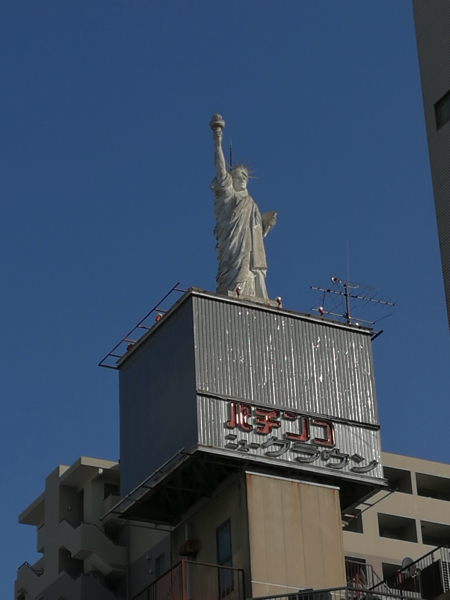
point(240, 228)
point(217, 124)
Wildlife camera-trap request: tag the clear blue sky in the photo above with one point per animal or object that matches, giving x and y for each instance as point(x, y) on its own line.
point(106, 159)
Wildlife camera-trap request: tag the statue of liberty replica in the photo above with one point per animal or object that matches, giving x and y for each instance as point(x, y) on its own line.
point(240, 227)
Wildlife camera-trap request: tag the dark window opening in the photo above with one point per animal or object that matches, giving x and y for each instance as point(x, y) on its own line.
point(159, 565)
point(432, 486)
point(116, 582)
point(110, 489)
point(390, 573)
point(73, 566)
point(357, 572)
point(442, 111)
point(224, 558)
point(435, 534)
point(405, 580)
point(398, 479)
point(397, 528)
point(353, 522)
point(115, 532)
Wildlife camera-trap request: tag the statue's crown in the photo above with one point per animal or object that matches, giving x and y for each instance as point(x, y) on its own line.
point(241, 167)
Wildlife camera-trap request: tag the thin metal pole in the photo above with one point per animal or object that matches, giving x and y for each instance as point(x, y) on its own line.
point(183, 580)
point(347, 304)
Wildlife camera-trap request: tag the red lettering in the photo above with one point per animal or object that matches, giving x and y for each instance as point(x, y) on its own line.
point(290, 416)
point(266, 420)
point(303, 436)
point(329, 429)
point(240, 415)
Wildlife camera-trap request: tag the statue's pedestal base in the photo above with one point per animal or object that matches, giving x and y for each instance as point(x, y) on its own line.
point(261, 301)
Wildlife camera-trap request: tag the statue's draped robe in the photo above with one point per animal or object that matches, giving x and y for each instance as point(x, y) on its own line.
point(240, 247)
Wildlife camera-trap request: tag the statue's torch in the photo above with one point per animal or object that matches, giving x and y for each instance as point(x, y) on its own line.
point(217, 122)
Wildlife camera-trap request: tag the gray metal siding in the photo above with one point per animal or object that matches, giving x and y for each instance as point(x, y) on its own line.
point(210, 346)
point(279, 359)
point(432, 23)
point(157, 398)
point(213, 413)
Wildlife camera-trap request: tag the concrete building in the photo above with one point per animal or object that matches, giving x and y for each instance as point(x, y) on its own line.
point(250, 466)
point(409, 522)
point(432, 23)
point(83, 555)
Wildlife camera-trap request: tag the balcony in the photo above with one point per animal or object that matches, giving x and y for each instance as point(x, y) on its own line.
point(196, 581)
point(360, 575)
point(29, 578)
point(427, 578)
point(89, 541)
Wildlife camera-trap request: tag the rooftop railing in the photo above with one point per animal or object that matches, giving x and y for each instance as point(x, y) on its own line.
point(196, 581)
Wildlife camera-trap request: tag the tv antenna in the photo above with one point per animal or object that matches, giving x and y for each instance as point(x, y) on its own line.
point(348, 291)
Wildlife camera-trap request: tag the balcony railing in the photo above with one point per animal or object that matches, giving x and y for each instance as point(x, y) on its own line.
point(427, 577)
point(326, 594)
point(196, 581)
point(345, 593)
point(361, 575)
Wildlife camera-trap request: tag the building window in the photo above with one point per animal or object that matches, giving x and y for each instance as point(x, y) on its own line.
point(435, 534)
point(357, 573)
point(110, 489)
point(353, 522)
point(390, 572)
point(442, 111)
point(73, 566)
point(432, 486)
point(398, 479)
point(397, 528)
point(159, 565)
point(224, 558)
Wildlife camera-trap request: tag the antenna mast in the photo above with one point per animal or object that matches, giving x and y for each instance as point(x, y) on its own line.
point(345, 292)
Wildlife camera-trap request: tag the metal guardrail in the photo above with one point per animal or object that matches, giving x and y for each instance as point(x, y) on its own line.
point(360, 575)
point(196, 581)
point(427, 577)
point(132, 337)
point(167, 587)
point(344, 593)
point(37, 572)
point(424, 579)
point(325, 594)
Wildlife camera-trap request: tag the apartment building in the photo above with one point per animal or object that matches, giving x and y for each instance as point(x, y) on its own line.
point(432, 23)
point(407, 523)
point(83, 555)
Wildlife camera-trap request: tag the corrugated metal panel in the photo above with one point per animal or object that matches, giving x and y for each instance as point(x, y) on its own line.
point(157, 398)
point(213, 414)
point(276, 358)
point(238, 350)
